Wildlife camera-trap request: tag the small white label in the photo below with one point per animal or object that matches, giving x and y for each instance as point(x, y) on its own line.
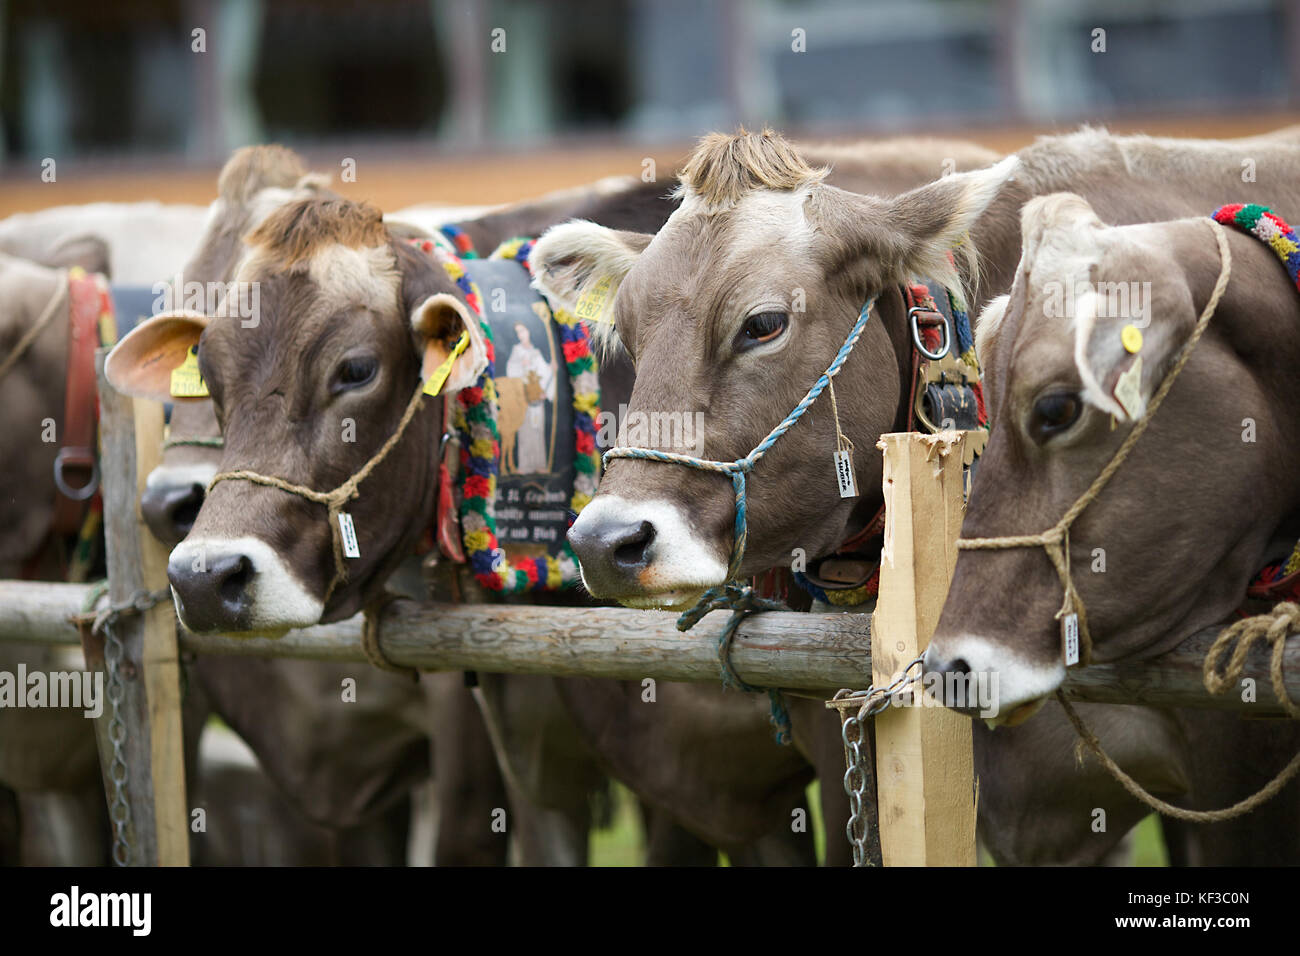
point(1128, 389)
point(1070, 639)
point(844, 474)
point(350, 548)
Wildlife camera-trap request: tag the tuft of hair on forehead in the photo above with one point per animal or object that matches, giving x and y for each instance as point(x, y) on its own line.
point(723, 168)
point(254, 168)
point(297, 231)
point(1065, 221)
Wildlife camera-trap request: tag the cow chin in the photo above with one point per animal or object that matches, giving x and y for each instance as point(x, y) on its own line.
point(238, 585)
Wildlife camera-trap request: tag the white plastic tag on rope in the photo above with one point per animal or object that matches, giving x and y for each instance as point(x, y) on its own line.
point(844, 474)
point(350, 548)
point(1070, 639)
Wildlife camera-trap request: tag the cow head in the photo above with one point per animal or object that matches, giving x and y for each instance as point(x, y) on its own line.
point(255, 181)
point(1171, 541)
point(730, 313)
point(350, 322)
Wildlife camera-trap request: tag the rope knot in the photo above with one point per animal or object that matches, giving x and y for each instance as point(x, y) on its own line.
point(1274, 627)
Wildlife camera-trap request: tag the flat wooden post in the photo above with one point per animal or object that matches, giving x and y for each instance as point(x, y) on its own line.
point(924, 765)
point(158, 833)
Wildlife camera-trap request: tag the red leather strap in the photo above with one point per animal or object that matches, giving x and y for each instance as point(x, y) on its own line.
point(75, 467)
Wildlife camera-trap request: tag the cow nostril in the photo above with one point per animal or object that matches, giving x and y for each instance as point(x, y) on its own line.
point(234, 581)
point(632, 546)
point(186, 509)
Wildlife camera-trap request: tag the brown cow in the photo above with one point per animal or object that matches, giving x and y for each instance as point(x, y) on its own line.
point(309, 558)
point(741, 301)
point(1205, 500)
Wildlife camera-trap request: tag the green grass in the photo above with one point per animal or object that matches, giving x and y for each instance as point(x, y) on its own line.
point(623, 842)
point(1149, 844)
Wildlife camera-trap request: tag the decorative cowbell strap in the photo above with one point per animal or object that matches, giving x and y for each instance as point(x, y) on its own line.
point(336, 498)
point(1076, 638)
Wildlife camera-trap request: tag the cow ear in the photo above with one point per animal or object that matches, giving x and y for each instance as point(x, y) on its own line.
point(579, 266)
point(913, 235)
point(142, 363)
point(452, 343)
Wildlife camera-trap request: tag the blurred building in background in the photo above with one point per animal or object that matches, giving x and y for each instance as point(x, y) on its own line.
point(194, 78)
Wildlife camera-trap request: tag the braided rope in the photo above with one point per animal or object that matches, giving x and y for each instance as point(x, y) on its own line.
point(216, 441)
point(1056, 539)
point(1274, 627)
point(740, 599)
point(334, 499)
point(741, 466)
point(1261, 796)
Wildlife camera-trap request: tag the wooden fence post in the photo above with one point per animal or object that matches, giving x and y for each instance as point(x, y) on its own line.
point(158, 833)
point(924, 763)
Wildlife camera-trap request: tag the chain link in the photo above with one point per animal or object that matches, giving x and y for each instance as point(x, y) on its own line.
point(871, 702)
point(104, 622)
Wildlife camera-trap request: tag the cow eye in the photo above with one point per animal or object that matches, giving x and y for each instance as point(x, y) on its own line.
point(353, 372)
point(760, 328)
point(1054, 413)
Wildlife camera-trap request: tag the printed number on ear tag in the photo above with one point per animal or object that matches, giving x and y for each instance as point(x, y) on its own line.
point(439, 377)
point(1070, 639)
point(186, 380)
point(591, 306)
point(844, 474)
point(350, 549)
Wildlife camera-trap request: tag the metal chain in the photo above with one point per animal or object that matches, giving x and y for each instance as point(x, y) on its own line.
point(119, 811)
point(873, 700)
point(103, 622)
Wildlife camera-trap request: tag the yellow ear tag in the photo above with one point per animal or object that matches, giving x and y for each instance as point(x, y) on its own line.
point(439, 377)
point(186, 380)
point(1131, 336)
point(591, 305)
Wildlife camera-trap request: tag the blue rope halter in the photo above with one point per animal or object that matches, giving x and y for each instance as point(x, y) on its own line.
point(739, 598)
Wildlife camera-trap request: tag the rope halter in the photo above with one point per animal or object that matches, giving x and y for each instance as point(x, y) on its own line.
point(1056, 539)
point(731, 595)
point(336, 498)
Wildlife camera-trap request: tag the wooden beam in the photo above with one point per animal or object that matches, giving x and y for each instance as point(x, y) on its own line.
point(818, 652)
point(152, 838)
point(925, 776)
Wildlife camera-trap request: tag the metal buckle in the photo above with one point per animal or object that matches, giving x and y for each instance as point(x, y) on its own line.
point(77, 458)
point(915, 322)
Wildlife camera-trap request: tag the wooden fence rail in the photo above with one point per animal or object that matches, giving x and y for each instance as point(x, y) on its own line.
point(814, 652)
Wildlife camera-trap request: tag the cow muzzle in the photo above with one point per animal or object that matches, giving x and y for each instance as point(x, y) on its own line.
point(643, 554)
point(973, 676)
point(238, 585)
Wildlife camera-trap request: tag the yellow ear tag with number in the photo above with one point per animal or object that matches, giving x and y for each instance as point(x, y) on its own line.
point(186, 380)
point(1131, 337)
point(439, 377)
point(591, 305)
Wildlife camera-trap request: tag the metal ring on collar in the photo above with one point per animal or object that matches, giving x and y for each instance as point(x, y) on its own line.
point(87, 490)
point(914, 322)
